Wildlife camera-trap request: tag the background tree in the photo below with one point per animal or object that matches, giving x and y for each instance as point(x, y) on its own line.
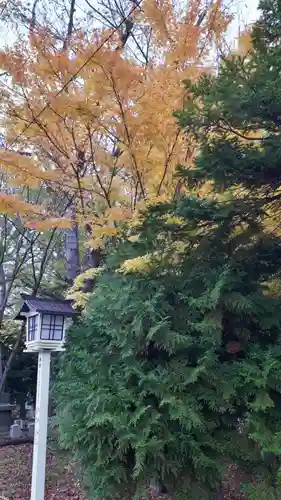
point(178, 372)
point(31, 262)
point(179, 347)
point(81, 106)
point(98, 134)
point(96, 141)
point(21, 378)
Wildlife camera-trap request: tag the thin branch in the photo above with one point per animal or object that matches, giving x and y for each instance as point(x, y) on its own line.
point(96, 171)
point(44, 261)
point(112, 25)
point(4, 239)
point(119, 102)
point(166, 166)
point(239, 134)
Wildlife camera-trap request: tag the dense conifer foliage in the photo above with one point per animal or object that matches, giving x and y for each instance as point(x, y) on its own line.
point(174, 370)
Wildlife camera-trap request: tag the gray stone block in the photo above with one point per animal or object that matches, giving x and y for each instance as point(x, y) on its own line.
point(6, 417)
point(5, 398)
point(15, 431)
point(31, 428)
point(23, 424)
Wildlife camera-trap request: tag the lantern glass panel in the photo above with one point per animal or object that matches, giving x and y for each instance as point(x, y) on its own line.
point(52, 327)
point(32, 327)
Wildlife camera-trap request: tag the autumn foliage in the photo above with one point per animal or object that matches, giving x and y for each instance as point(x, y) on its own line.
point(97, 124)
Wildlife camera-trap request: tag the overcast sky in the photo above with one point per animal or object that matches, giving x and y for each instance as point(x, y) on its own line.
point(245, 13)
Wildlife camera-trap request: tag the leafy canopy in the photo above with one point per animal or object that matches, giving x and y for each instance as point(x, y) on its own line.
point(174, 370)
point(108, 141)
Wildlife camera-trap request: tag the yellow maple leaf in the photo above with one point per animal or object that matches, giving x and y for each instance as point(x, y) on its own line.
point(51, 223)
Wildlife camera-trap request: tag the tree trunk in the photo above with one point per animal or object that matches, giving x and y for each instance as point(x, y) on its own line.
point(72, 253)
point(11, 358)
point(21, 401)
point(70, 24)
point(3, 301)
point(1, 361)
point(92, 259)
point(220, 495)
point(51, 407)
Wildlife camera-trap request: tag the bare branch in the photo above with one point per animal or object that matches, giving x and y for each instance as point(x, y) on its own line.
point(101, 15)
point(106, 195)
point(70, 24)
point(229, 128)
point(33, 15)
point(167, 162)
point(126, 128)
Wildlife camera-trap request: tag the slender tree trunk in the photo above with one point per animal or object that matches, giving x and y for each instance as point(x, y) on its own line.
point(72, 252)
point(33, 18)
point(21, 403)
point(11, 358)
point(1, 362)
point(51, 407)
point(220, 495)
point(3, 301)
point(70, 24)
point(92, 259)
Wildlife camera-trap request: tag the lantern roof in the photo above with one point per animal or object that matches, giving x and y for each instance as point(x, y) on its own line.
point(31, 303)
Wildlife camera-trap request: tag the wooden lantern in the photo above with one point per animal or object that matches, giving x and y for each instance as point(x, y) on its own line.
point(46, 322)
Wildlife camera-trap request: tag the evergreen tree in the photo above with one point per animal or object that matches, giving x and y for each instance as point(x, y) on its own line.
point(175, 350)
point(237, 116)
point(174, 370)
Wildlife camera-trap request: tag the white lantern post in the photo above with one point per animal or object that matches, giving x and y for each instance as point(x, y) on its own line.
point(41, 426)
point(46, 324)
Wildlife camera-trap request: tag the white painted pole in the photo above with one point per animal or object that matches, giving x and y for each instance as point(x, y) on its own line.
point(41, 426)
